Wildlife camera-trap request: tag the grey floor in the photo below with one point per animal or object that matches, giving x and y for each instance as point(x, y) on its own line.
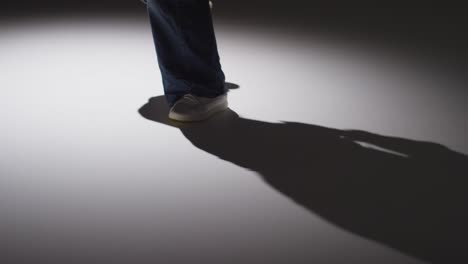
point(328, 153)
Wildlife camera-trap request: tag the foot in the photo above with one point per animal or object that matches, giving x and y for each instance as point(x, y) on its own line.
point(191, 108)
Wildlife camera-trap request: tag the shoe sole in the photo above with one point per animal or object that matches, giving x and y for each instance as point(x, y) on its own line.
point(194, 118)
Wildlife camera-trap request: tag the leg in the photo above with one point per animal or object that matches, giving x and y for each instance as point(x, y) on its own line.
point(186, 48)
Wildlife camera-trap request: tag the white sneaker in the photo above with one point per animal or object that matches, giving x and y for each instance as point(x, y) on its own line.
point(195, 108)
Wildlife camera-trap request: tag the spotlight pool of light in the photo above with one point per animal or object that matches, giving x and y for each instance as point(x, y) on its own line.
point(82, 171)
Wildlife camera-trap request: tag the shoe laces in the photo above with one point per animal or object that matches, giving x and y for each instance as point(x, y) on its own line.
point(192, 98)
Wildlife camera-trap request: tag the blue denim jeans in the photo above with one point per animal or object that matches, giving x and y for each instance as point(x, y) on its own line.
point(186, 48)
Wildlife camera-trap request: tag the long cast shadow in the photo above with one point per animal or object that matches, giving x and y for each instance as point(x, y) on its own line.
point(406, 194)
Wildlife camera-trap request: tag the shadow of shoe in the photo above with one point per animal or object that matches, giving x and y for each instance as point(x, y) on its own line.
point(406, 194)
point(231, 86)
